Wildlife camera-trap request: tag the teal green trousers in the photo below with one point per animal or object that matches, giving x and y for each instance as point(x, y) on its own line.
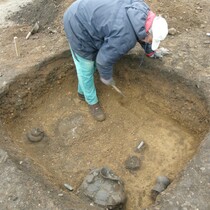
point(85, 73)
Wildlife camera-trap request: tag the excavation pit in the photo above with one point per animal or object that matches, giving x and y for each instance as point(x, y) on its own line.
point(160, 108)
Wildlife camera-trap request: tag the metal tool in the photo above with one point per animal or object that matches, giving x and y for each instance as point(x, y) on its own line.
point(118, 90)
point(33, 30)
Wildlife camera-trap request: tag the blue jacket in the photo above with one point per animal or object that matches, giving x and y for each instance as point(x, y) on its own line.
point(104, 30)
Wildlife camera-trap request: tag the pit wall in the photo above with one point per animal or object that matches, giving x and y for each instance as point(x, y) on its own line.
point(172, 95)
point(25, 89)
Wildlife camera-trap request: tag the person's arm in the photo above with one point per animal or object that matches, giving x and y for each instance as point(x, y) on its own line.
point(104, 63)
point(158, 54)
point(147, 48)
point(111, 51)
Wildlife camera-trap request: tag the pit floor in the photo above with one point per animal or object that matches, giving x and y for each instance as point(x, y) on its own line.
point(76, 143)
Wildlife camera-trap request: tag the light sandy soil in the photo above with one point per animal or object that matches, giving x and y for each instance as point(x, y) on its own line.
point(7, 8)
point(155, 110)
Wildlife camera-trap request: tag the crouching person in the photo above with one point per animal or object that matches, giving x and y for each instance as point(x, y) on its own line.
point(101, 32)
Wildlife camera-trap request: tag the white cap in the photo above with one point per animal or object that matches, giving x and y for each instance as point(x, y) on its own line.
point(159, 31)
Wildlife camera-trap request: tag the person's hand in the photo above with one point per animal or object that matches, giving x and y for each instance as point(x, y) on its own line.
point(159, 53)
point(108, 81)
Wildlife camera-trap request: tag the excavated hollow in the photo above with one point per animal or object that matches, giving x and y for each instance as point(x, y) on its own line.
point(159, 108)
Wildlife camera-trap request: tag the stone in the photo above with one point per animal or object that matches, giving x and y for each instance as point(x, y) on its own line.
point(172, 31)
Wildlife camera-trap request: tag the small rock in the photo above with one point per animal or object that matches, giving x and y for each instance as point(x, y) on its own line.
point(69, 187)
point(207, 42)
point(52, 31)
point(199, 8)
point(35, 37)
point(15, 198)
point(172, 31)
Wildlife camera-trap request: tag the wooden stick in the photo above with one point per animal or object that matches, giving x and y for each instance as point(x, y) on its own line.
point(207, 42)
point(16, 47)
point(28, 35)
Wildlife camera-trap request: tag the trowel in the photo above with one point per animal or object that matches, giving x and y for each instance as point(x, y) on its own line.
point(33, 30)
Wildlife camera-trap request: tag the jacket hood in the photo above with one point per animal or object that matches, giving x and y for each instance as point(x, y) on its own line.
point(137, 13)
